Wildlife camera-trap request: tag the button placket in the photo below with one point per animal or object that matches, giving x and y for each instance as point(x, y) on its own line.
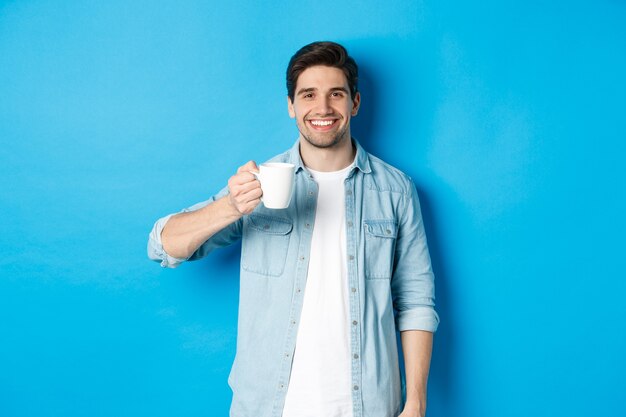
point(307, 202)
point(353, 282)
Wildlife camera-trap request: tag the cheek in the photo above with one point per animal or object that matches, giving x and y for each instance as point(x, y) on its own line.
point(347, 108)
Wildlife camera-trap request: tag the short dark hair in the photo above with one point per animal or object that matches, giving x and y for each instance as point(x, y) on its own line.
point(330, 54)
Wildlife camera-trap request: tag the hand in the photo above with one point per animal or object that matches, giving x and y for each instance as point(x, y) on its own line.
point(413, 410)
point(244, 189)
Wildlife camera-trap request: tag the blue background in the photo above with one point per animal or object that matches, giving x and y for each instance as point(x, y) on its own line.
point(509, 115)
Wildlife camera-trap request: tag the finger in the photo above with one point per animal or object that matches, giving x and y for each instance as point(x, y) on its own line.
point(243, 198)
point(238, 189)
point(250, 206)
point(249, 196)
point(241, 178)
point(249, 186)
point(248, 166)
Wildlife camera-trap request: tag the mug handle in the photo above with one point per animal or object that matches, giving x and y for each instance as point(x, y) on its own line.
point(257, 175)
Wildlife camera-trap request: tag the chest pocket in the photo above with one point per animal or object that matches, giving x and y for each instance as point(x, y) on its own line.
point(380, 244)
point(265, 244)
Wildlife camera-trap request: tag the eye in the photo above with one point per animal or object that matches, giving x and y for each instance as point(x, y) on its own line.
point(337, 94)
point(308, 96)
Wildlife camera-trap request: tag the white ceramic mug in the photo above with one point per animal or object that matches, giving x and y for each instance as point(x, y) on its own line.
point(276, 183)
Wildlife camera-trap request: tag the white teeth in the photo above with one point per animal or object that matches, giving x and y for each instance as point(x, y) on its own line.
point(322, 122)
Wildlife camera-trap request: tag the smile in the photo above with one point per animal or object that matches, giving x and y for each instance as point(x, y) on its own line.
point(322, 124)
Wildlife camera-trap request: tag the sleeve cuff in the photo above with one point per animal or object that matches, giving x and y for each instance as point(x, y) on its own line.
point(419, 318)
point(155, 246)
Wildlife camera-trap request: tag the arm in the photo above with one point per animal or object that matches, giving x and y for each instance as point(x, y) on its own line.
point(413, 281)
point(185, 232)
point(417, 347)
point(413, 291)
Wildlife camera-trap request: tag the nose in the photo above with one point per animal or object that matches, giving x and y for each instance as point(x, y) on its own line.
point(323, 106)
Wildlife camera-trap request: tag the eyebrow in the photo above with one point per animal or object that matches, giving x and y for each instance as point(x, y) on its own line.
point(312, 89)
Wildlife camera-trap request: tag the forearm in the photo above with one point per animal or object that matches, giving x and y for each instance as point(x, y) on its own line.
point(185, 232)
point(417, 347)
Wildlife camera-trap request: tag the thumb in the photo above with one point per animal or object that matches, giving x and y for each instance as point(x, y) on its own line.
point(253, 166)
point(249, 166)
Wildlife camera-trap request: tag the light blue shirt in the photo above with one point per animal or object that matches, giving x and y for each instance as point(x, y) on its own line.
point(389, 274)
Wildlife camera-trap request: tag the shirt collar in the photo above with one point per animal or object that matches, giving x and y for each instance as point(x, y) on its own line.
point(361, 161)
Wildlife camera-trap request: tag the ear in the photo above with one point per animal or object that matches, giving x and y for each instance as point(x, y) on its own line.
point(292, 112)
point(356, 103)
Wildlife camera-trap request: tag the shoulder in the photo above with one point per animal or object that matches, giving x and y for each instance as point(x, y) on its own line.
point(386, 177)
point(283, 157)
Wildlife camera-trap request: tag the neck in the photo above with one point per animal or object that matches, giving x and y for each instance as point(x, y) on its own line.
point(327, 159)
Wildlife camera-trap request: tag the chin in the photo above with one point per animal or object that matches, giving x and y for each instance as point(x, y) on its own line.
point(322, 144)
point(325, 143)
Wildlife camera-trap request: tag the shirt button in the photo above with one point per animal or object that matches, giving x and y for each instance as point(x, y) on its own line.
point(356, 387)
point(353, 289)
point(351, 257)
point(388, 231)
point(349, 224)
point(281, 386)
point(349, 192)
point(267, 226)
point(355, 322)
point(307, 225)
point(286, 355)
point(293, 322)
point(310, 192)
point(356, 356)
point(297, 290)
point(302, 258)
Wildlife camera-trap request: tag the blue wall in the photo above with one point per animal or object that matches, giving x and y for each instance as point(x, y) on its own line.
point(510, 116)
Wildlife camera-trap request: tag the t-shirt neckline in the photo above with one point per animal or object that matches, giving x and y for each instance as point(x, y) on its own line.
point(328, 175)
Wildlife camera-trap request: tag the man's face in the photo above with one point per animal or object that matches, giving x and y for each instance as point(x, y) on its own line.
point(322, 106)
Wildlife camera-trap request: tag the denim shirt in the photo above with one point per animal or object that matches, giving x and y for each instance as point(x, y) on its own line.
point(389, 274)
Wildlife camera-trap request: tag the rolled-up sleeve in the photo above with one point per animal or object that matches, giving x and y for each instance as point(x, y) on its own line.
point(412, 284)
point(224, 237)
point(155, 246)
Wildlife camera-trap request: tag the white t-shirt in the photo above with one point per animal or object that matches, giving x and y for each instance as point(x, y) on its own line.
point(320, 381)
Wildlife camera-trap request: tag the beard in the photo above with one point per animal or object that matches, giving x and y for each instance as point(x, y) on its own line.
point(323, 142)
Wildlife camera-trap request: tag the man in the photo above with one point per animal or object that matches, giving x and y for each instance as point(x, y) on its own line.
point(325, 283)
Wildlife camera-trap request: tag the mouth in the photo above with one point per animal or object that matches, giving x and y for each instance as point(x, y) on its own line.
point(322, 125)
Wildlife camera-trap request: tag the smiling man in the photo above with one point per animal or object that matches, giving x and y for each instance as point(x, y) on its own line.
point(327, 282)
point(324, 107)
